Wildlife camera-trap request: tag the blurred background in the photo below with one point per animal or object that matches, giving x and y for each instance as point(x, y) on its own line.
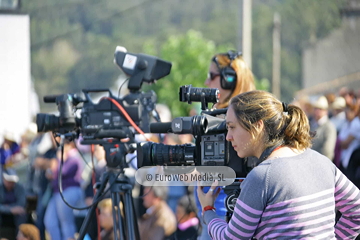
point(295, 48)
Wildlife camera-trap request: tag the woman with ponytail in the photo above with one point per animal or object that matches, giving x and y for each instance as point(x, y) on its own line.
point(293, 191)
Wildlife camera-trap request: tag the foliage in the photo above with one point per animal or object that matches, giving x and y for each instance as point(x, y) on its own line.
point(190, 55)
point(72, 42)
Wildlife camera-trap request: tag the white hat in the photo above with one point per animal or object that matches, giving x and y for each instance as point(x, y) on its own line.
point(321, 103)
point(339, 103)
point(10, 175)
point(9, 136)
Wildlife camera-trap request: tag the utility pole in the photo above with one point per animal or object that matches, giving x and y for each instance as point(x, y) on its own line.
point(246, 33)
point(276, 75)
point(239, 42)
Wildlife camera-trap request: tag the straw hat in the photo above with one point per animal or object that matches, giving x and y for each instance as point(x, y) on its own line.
point(10, 136)
point(30, 132)
point(339, 103)
point(321, 103)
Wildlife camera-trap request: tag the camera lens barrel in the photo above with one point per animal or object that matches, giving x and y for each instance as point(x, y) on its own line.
point(152, 154)
point(193, 94)
point(47, 122)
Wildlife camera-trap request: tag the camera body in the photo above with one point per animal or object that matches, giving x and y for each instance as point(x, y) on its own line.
point(101, 120)
point(209, 131)
point(105, 120)
point(111, 117)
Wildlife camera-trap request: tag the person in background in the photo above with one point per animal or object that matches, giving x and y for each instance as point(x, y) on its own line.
point(94, 178)
point(330, 97)
point(12, 201)
point(159, 221)
point(231, 75)
point(349, 136)
point(42, 150)
point(59, 218)
point(106, 219)
point(8, 149)
point(99, 170)
point(20, 161)
point(338, 113)
point(28, 232)
point(325, 139)
point(188, 227)
point(284, 196)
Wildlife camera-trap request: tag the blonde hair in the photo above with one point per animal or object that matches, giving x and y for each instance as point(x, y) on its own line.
point(288, 127)
point(106, 203)
point(30, 231)
point(244, 76)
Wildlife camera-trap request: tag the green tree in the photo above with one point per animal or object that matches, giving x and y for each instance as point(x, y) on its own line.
point(190, 55)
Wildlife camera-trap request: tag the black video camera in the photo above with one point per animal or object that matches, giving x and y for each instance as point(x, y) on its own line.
point(209, 131)
point(111, 117)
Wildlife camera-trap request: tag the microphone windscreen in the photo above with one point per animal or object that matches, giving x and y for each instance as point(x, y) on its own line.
point(50, 98)
point(120, 49)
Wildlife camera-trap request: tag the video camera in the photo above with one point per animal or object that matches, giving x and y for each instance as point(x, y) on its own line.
point(111, 117)
point(209, 131)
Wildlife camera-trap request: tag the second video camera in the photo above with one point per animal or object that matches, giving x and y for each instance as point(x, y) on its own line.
point(209, 131)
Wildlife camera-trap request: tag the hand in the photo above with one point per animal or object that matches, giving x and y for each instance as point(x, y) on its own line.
point(208, 199)
point(17, 210)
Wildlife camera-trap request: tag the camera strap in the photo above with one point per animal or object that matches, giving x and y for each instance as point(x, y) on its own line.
point(268, 151)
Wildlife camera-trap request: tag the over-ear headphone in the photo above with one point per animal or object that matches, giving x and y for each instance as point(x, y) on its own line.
point(228, 74)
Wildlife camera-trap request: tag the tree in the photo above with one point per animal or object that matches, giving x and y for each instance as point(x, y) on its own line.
point(190, 55)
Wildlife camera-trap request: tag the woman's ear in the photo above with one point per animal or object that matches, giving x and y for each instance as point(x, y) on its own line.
point(259, 129)
point(259, 125)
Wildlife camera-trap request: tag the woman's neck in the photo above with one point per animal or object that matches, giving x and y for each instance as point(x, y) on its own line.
point(285, 151)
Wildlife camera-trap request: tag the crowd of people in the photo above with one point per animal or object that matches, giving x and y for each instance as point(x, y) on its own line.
point(285, 146)
point(334, 119)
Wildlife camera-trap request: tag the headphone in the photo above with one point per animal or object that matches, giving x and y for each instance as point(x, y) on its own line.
point(228, 74)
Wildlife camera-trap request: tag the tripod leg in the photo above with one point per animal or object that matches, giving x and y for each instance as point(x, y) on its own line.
point(117, 219)
point(131, 223)
point(91, 212)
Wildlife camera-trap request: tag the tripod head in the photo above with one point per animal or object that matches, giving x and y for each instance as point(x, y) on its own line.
point(115, 151)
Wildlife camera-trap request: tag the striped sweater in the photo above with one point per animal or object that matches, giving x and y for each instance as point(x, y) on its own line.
point(292, 198)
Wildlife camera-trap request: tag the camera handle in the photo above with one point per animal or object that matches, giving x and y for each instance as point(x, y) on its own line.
point(125, 227)
point(232, 191)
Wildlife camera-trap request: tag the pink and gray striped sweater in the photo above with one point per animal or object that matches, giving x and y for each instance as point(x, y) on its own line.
point(292, 198)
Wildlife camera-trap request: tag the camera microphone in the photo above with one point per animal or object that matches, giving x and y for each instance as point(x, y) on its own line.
point(50, 98)
point(160, 127)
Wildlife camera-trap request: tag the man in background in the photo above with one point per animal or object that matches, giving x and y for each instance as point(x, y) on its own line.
point(159, 221)
point(325, 138)
point(12, 202)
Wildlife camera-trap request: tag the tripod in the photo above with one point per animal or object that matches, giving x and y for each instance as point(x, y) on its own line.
point(125, 225)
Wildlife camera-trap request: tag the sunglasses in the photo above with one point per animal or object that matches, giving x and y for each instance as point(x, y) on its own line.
point(212, 75)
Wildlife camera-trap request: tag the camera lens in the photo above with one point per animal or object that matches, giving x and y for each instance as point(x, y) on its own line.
point(193, 94)
point(47, 122)
point(151, 154)
point(196, 125)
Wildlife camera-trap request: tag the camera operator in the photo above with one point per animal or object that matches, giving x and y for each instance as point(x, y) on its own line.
point(284, 196)
point(229, 73)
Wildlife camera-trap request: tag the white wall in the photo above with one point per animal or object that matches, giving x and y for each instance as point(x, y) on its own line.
point(17, 101)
